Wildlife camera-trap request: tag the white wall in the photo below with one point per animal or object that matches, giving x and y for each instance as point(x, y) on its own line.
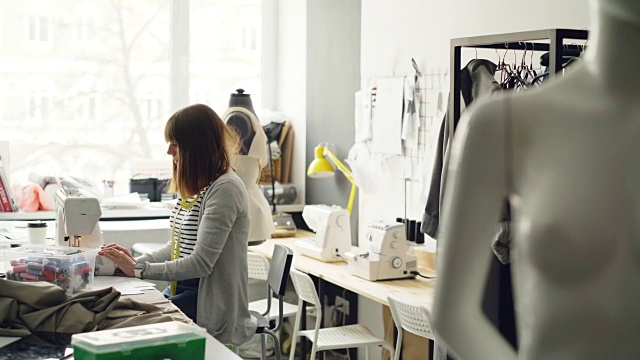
point(393, 32)
point(333, 76)
point(318, 51)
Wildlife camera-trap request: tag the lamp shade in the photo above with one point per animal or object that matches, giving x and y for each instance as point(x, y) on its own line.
point(320, 167)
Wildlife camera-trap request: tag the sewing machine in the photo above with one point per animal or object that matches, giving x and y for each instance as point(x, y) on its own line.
point(386, 256)
point(333, 233)
point(77, 215)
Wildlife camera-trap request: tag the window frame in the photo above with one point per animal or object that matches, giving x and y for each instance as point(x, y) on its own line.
point(37, 31)
point(269, 54)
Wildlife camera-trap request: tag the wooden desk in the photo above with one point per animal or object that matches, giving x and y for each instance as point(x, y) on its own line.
point(418, 291)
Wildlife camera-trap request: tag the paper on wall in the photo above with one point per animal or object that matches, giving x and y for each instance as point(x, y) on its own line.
point(411, 115)
point(362, 167)
point(386, 127)
point(362, 117)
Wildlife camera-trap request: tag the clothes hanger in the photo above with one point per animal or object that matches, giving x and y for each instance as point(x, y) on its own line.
point(416, 68)
point(506, 69)
point(532, 71)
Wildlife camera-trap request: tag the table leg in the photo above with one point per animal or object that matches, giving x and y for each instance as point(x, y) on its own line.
point(303, 340)
point(352, 318)
point(321, 295)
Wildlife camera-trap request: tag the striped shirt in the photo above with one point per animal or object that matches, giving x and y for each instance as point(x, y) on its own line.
point(184, 223)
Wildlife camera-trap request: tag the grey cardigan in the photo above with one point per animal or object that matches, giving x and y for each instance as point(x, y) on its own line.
point(219, 259)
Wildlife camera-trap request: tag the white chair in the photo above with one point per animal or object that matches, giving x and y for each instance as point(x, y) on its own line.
point(417, 320)
point(340, 337)
point(259, 270)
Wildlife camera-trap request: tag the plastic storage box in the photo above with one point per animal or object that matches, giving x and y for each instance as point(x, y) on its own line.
point(170, 340)
point(70, 268)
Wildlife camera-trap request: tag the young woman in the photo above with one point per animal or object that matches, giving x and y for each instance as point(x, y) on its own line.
point(206, 258)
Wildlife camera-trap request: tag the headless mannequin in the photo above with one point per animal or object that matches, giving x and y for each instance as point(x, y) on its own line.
point(248, 164)
point(566, 156)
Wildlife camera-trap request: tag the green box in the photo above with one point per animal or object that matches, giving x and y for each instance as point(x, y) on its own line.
point(171, 340)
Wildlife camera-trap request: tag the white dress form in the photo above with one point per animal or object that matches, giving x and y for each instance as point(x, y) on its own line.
point(567, 156)
point(249, 162)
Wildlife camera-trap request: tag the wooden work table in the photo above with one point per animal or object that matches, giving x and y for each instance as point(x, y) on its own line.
point(418, 291)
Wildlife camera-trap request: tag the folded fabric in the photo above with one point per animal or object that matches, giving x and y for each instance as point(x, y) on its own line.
point(70, 182)
point(32, 197)
point(40, 306)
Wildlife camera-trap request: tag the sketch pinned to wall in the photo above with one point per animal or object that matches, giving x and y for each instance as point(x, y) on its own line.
point(361, 165)
point(414, 164)
point(362, 116)
point(411, 113)
point(386, 126)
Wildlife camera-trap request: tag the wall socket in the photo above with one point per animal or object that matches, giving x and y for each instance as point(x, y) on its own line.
point(342, 305)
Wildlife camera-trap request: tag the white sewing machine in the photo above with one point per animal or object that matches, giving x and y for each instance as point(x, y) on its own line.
point(333, 233)
point(386, 256)
point(77, 215)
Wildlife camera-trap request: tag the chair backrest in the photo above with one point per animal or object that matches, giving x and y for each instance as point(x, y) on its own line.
point(305, 288)
point(411, 317)
point(279, 269)
point(258, 266)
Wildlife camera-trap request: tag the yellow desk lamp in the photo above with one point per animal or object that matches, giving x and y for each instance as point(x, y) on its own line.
point(321, 168)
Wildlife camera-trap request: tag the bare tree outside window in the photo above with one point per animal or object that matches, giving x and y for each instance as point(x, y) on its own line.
point(107, 66)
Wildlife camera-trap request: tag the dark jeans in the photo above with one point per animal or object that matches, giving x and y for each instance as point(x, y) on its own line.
point(186, 297)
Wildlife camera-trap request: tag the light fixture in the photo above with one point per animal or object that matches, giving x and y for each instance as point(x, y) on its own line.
point(321, 168)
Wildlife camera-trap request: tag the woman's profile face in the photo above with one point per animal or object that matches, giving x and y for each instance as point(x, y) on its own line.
point(174, 151)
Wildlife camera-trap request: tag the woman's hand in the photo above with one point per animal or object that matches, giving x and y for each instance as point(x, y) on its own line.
point(120, 256)
point(117, 247)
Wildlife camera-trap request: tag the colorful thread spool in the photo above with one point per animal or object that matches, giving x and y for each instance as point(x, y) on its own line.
point(19, 268)
point(34, 272)
point(50, 275)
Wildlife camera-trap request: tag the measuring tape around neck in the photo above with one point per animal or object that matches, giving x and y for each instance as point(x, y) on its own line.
point(175, 246)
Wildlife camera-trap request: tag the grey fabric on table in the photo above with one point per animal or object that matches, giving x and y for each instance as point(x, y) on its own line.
point(27, 307)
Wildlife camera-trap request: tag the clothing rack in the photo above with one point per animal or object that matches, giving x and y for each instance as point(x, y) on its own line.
point(527, 40)
point(497, 302)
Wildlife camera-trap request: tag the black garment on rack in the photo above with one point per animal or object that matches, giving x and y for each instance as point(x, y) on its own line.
point(477, 81)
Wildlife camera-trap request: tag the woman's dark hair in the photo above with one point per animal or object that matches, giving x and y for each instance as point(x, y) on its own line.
point(205, 146)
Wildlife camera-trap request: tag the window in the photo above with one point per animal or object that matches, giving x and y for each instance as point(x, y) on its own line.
point(87, 107)
point(39, 98)
point(91, 110)
point(153, 105)
point(85, 29)
point(38, 105)
point(38, 28)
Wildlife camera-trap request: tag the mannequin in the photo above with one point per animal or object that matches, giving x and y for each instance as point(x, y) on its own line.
point(240, 121)
point(248, 164)
point(566, 155)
